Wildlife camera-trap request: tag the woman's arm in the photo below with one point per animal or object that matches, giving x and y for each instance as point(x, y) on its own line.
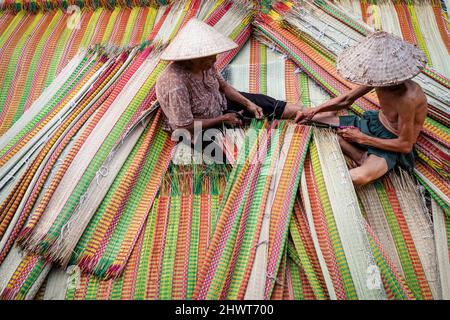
point(232, 94)
point(229, 118)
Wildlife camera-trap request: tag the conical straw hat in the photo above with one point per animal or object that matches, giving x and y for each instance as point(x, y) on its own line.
point(380, 60)
point(196, 40)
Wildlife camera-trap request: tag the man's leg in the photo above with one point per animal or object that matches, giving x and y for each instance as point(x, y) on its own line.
point(355, 153)
point(373, 168)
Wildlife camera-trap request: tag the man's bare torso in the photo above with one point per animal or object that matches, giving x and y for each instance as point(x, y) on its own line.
point(395, 103)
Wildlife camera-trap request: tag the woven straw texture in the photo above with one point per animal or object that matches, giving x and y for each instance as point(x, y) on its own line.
point(197, 40)
point(94, 204)
point(380, 60)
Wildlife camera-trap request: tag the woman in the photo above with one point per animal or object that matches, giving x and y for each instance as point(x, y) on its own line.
point(191, 90)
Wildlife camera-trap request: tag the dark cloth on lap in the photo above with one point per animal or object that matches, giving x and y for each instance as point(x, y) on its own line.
point(272, 108)
point(371, 125)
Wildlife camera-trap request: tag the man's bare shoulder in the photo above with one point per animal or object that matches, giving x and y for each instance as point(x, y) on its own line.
point(412, 101)
point(415, 93)
point(417, 100)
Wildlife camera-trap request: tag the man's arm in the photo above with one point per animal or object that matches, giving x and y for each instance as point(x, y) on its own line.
point(344, 101)
point(403, 144)
point(338, 103)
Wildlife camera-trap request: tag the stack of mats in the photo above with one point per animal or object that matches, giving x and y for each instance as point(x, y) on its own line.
point(284, 223)
point(37, 46)
point(331, 32)
point(405, 230)
point(303, 276)
point(92, 131)
point(351, 260)
point(35, 5)
point(39, 38)
point(165, 261)
point(423, 23)
point(292, 29)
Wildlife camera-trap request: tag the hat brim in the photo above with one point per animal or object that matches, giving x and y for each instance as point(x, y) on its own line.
point(168, 57)
point(380, 60)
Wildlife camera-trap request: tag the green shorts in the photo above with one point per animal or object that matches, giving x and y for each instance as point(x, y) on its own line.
point(371, 125)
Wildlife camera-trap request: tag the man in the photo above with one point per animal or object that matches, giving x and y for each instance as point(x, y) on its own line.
point(379, 140)
point(191, 90)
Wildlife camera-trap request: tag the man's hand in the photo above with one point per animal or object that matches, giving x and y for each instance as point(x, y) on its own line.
point(305, 115)
point(352, 134)
point(232, 119)
point(255, 110)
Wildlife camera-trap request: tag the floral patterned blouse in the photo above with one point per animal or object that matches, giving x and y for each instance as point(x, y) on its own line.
point(183, 97)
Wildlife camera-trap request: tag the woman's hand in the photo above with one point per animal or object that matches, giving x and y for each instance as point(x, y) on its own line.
point(305, 115)
point(255, 110)
point(232, 119)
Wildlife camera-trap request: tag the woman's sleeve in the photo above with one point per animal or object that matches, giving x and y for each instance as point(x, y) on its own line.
point(173, 96)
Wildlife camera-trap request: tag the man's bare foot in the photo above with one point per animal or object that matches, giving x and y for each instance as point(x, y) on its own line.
point(362, 159)
point(373, 168)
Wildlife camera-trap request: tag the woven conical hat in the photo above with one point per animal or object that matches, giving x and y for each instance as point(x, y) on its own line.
point(196, 40)
point(380, 60)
